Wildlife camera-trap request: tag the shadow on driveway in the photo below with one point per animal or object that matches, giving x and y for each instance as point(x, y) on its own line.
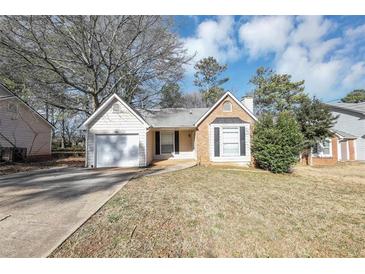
point(58, 185)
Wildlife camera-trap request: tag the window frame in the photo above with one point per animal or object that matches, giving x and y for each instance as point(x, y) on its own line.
point(173, 142)
point(230, 106)
point(221, 141)
point(320, 149)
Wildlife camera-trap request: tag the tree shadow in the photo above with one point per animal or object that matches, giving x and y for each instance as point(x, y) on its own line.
point(60, 185)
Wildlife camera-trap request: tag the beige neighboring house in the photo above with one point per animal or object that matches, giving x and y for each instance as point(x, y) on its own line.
point(23, 127)
point(118, 135)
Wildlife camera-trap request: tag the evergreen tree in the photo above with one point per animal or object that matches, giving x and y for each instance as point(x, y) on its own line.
point(277, 142)
point(275, 93)
point(207, 78)
point(315, 120)
point(355, 96)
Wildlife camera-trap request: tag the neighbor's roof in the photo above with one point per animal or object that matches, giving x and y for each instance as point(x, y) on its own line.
point(228, 120)
point(354, 107)
point(343, 134)
point(172, 117)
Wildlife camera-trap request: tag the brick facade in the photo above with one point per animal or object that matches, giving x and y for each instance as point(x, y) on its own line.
point(352, 150)
point(202, 133)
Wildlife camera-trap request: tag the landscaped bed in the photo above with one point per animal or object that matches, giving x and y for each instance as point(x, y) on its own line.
point(230, 212)
point(8, 168)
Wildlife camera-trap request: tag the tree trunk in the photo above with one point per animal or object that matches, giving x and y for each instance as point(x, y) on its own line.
point(95, 101)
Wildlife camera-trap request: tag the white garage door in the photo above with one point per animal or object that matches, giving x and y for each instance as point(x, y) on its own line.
point(117, 150)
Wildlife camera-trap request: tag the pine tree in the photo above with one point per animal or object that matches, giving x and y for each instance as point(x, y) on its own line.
point(207, 78)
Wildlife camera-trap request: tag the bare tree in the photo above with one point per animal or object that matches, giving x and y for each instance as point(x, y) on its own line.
point(76, 62)
point(194, 100)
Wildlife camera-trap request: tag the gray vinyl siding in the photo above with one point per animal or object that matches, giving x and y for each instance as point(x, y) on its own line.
point(354, 124)
point(24, 129)
point(108, 122)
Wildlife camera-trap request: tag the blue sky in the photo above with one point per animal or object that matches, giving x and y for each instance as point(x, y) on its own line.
point(328, 52)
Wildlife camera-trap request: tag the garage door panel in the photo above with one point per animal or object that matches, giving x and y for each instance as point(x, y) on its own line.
point(117, 150)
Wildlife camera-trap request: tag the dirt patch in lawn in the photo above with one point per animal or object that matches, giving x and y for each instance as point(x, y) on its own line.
point(8, 168)
point(222, 212)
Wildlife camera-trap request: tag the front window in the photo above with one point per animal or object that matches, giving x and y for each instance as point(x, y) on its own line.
point(323, 149)
point(167, 142)
point(230, 141)
point(227, 106)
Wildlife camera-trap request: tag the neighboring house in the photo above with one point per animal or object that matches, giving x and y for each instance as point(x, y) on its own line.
point(352, 120)
point(22, 127)
point(340, 147)
point(118, 135)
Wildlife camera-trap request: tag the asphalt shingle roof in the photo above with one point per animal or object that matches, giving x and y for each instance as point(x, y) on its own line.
point(356, 107)
point(172, 117)
point(228, 120)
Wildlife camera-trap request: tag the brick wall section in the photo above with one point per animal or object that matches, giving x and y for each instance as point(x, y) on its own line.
point(351, 150)
point(326, 161)
point(202, 133)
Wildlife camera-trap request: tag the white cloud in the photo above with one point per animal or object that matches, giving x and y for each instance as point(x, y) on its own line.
point(214, 38)
point(310, 29)
point(329, 58)
point(356, 76)
point(302, 49)
point(266, 34)
point(355, 32)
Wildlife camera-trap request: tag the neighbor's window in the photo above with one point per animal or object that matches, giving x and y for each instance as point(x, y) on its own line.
point(167, 142)
point(116, 108)
point(227, 106)
point(230, 141)
point(323, 149)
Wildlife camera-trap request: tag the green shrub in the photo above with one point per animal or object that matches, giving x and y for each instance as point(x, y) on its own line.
point(277, 142)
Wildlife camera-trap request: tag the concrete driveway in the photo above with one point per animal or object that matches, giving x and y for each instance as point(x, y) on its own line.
point(39, 209)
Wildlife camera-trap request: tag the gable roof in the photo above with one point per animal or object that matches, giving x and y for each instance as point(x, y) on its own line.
point(106, 104)
point(353, 107)
point(219, 101)
point(342, 134)
point(6, 94)
point(172, 117)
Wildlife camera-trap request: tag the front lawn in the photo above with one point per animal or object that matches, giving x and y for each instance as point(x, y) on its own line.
point(230, 212)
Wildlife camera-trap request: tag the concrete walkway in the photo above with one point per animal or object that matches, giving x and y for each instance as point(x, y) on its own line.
point(40, 209)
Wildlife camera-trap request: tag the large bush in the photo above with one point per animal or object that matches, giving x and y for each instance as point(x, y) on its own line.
point(277, 142)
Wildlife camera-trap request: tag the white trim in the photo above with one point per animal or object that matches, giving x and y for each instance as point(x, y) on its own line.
point(219, 101)
point(86, 149)
point(320, 154)
point(339, 150)
point(105, 104)
point(348, 150)
point(238, 159)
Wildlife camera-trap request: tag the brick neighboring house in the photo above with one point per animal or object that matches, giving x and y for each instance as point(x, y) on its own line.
point(119, 135)
point(340, 147)
point(351, 120)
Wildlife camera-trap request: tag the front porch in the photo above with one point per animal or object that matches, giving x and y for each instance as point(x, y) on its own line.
point(171, 144)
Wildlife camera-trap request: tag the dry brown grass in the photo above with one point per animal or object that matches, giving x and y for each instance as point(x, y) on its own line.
point(220, 212)
point(9, 168)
